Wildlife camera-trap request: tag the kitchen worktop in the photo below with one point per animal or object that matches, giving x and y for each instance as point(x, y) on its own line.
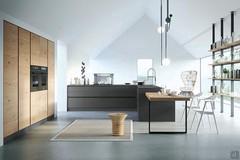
point(114, 85)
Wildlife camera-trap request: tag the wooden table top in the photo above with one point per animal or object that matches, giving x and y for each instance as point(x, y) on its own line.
point(156, 96)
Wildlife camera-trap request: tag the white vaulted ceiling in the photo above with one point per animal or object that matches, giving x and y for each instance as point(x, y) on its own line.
point(95, 24)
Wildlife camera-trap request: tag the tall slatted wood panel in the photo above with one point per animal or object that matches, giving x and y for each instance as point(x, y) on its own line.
point(24, 78)
point(51, 78)
point(10, 79)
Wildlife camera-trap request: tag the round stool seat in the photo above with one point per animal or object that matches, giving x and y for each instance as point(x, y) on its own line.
point(118, 123)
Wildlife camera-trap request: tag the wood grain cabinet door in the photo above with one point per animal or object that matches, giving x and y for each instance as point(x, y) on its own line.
point(38, 50)
point(35, 49)
point(38, 106)
point(24, 78)
point(51, 78)
point(43, 57)
point(10, 79)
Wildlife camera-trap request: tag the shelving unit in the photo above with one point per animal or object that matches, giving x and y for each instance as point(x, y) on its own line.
point(227, 46)
point(226, 79)
point(230, 63)
point(226, 63)
point(228, 95)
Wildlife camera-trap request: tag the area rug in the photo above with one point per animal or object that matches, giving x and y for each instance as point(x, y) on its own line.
point(93, 130)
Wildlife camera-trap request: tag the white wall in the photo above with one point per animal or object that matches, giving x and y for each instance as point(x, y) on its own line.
point(61, 80)
point(171, 75)
point(142, 41)
point(75, 56)
point(206, 74)
point(13, 20)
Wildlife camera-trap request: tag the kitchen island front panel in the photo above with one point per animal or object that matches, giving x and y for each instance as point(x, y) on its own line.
point(102, 104)
point(102, 98)
point(118, 98)
point(89, 91)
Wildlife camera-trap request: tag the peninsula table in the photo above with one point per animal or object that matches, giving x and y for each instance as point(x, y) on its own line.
point(159, 97)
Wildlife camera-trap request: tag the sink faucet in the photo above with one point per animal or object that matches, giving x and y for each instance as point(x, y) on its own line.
point(151, 75)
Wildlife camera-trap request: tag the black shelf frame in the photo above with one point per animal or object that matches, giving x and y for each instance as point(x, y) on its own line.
point(221, 50)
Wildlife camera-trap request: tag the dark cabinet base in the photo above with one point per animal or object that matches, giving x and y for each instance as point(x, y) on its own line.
point(102, 103)
point(102, 98)
point(122, 109)
point(162, 112)
point(119, 98)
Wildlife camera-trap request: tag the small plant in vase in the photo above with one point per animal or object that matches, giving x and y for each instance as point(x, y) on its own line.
point(225, 73)
point(83, 73)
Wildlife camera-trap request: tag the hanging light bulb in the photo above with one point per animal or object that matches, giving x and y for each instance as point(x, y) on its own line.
point(166, 61)
point(164, 28)
point(160, 29)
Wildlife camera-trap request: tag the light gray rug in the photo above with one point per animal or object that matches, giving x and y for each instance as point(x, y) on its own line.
point(93, 130)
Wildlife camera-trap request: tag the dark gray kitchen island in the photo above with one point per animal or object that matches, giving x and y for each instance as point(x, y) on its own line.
point(117, 98)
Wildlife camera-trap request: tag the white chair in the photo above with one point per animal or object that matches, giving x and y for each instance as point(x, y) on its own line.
point(209, 100)
point(194, 104)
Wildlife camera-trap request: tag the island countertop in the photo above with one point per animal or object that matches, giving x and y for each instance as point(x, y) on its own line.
point(155, 96)
point(114, 85)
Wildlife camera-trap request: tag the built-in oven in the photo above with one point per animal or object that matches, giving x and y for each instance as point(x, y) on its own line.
point(39, 78)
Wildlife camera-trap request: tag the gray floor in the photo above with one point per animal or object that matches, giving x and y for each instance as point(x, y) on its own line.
point(35, 145)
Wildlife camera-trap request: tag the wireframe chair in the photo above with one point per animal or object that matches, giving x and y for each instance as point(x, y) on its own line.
point(189, 79)
point(209, 100)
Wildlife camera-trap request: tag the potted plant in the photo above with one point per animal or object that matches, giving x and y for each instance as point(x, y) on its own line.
point(225, 73)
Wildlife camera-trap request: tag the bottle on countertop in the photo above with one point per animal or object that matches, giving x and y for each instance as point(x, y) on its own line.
point(79, 81)
point(88, 81)
point(75, 80)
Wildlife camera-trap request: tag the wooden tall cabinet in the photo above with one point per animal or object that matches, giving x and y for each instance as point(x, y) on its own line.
point(21, 107)
point(38, 50)
point(24, 78)
point(51, 79)
point(10, 79)
point(38, 106)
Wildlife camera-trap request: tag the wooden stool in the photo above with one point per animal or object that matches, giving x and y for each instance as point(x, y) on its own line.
point(118, 123)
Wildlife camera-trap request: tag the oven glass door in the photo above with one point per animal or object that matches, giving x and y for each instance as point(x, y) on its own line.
point(44, 81)
point(35, 82)
point(39, 78)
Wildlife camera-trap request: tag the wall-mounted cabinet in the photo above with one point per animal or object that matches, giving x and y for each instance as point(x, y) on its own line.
point(24, 78)
point(10, 79)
